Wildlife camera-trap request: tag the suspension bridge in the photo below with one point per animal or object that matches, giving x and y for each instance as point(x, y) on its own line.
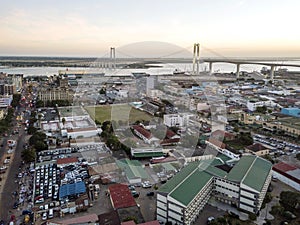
point(110, 60)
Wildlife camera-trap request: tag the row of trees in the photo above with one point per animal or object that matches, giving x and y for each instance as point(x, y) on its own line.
point(53, 103)
point(112, 141)
point(16, 100)
point(289, 205)
point(37, 141)
point(5, 123)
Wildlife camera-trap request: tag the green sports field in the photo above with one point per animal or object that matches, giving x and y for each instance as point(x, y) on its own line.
point(118, 112)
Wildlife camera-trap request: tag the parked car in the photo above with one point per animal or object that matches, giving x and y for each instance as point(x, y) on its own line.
point(210, 219)
point(44, 216)
point(151, 193)
point(135, 194)
point(16, 204)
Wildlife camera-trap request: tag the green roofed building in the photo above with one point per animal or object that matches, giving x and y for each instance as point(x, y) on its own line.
point(146, 152)
point(133, 170)
point(183, 197)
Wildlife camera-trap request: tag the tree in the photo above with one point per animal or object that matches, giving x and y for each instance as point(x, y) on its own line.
point(63, 120)
point(38, 136)
point(28, 155)
point(246, 138)
point(40, 145)
point(277, 210)
point(31, 130)
point(261, 109)
point(130, 218)
point(289, 200)
point(252, 216)
point(298, 156)
point(236, 129)
point(37, 140)
point(106, 126)
point(16, 100)
point(102, 91)
point(39, 104)
point(97, 122)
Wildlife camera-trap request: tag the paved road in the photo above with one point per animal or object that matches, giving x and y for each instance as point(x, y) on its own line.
point(7, 199)
point(208, 211)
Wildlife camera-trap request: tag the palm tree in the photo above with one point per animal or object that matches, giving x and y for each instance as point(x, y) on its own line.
point(63, 120)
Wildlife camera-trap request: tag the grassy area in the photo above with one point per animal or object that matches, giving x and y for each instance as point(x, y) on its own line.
point(123, 112)
point(235, 145)
point(157, 168)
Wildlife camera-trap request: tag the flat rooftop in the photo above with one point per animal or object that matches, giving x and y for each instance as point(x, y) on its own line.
point(71, 111)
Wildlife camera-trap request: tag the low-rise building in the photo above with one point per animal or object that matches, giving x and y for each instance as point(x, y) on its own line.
point(121, 196)
point(144, 134)
point(288, 174)
point(253, 104)
point(257, 149)
point(148, 152)
point(291, 111)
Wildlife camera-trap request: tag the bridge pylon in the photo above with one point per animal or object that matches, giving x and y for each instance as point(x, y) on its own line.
point(196, 58)
point(112, 63)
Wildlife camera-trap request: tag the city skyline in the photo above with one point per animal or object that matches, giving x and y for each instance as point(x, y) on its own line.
point(233, 28)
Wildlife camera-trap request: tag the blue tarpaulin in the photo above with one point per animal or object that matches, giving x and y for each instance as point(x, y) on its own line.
point(71, 189)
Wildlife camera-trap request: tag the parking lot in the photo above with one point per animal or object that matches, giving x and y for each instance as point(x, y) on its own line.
point(276, 145)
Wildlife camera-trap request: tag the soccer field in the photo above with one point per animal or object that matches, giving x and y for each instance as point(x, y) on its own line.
point(118, 112)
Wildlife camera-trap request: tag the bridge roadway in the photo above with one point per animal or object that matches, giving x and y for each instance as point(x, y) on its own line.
point(271, 62)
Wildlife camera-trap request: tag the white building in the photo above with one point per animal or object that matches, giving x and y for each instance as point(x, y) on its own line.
point(5, 101)
point(177, 120)
point(183, 197)
point(252, 105)
point(220, 147)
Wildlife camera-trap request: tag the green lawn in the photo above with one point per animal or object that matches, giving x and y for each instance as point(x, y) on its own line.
point(123, 112)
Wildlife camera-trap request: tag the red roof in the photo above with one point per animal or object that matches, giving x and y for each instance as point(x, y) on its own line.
point(288, 171)
point(66, 160)
point(170, 141)
point(142, 131)
point(256, 147)
point(121, 196)
point(128, 223)
point(217, 143)
point(283, 167)
point(221, 133)
point(170, 134)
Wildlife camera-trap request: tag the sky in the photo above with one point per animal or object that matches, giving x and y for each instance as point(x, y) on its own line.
point(229, 28)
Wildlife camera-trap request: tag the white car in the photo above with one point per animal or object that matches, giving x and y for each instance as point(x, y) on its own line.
point(44, 216)
point(41, 200)
point(146, 184)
